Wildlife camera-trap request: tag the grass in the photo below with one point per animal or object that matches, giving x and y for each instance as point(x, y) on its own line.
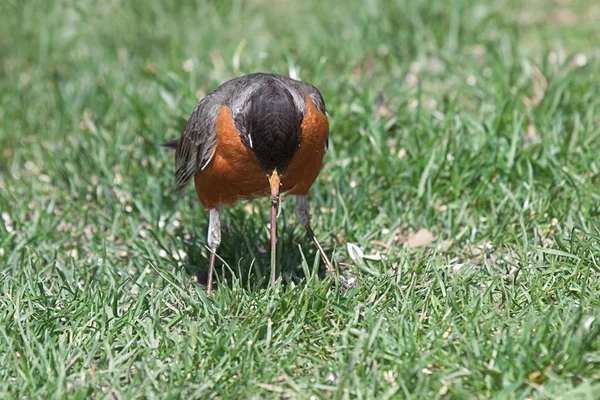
point(476, 121)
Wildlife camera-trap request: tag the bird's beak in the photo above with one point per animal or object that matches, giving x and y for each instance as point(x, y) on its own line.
point(274, 182)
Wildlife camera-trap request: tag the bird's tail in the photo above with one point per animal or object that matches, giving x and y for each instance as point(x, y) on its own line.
point(171, 145)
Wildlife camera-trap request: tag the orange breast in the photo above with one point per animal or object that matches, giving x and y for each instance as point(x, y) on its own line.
point(234, 172)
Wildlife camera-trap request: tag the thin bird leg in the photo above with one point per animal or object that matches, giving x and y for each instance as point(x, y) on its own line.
point(303, 215)
point(214, 240)
point(211, 267)
point(330, 269)
point(274, 182)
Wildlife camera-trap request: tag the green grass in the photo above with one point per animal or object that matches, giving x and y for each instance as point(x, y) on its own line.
point(477, 121)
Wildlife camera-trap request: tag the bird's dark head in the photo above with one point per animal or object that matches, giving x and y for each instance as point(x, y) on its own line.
point(272, 126)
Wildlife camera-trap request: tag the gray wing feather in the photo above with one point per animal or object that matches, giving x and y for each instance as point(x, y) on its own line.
point(197, 144)
point(314, 95)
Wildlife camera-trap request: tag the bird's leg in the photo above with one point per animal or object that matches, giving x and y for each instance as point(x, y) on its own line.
point(274, 182)
point(214, 240)
point(303, 215)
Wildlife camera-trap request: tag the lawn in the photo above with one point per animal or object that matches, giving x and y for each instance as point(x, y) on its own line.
point(461, 189)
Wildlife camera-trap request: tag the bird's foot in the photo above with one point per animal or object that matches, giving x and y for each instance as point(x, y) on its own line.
point(345, 283)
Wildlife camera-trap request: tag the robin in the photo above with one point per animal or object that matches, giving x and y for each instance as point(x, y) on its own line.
point(254, 136)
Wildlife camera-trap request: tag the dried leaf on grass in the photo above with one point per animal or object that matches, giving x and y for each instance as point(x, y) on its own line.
point(421, 238)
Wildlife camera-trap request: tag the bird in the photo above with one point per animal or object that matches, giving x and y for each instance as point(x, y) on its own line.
point(258, 135)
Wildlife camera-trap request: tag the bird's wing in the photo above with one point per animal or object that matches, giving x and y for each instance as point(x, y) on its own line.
point(314, 95)
point(318, 101)
point(197, 143)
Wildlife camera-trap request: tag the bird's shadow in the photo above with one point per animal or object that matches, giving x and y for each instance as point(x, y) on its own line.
point(244, 253)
